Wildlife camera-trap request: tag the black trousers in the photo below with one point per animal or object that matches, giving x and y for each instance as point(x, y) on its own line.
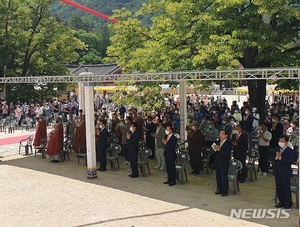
point(264, 158)
point(102, 158)
point(222, 179)
point(283, 190)
point(125, 151)
point(171, 169)
point(133, 159)
point(242, 175)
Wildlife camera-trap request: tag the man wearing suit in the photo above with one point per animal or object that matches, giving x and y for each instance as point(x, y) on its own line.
point(248, 127)
point(170, 155)
point(223, 150)
point(102, 135)
point(150, 140)
point(133, 150)
point(276, 129)
point(283, 172)
point(240, 143)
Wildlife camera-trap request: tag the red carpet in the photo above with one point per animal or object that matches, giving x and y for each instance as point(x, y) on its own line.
point(12, 139)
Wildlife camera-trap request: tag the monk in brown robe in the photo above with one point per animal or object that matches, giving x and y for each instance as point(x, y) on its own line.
point(53, 149)
point(79, 136)
point(40, 132)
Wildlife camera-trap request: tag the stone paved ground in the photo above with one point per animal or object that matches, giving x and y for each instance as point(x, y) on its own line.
point(35, 192)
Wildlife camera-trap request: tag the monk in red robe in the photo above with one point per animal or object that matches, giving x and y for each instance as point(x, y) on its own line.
point(40, 132)
point(79, 136)
point(53, 149)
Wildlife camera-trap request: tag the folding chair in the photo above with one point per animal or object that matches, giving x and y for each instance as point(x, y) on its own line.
point(234, 167)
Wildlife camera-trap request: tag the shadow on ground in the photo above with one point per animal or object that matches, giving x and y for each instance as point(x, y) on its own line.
point(196, 193)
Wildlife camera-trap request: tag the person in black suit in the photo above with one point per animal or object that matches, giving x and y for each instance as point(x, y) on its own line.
point(223, 150)
point(240, 143)
point(102, 135)
point(276, 128)
point(133, 150)
point(170, 155)
point(150, 140)
point(283, 172)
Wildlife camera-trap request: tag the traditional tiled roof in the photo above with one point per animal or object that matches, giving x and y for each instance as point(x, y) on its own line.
point(100, 69)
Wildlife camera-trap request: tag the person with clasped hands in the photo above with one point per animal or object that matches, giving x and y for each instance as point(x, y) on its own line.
point(133, 149)
point(170, 155)
point(283, 172)
point(223, 151)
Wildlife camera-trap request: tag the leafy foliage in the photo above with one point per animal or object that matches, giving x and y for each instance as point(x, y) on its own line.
point(33, 43)
point(200, 35)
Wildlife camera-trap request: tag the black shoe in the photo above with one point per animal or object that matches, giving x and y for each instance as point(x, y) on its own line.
point(224, 194)
point(287, 207)
point(197, 173)
point(218, 193)
point(172, 183)
point(134, 176)
point(55, 161)
point(167, 182)
point(101, 170)
point(242, 181)
point(129, 175)
point(279, 205)
point(52, 160)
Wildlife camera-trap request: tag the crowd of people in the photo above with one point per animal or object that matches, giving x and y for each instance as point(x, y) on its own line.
point(210, 122)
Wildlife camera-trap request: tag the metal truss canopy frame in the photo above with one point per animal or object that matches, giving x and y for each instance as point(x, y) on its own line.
point(215, 75)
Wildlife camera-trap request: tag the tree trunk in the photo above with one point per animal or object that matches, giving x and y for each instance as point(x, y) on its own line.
point(257, 96)
point(256, 88)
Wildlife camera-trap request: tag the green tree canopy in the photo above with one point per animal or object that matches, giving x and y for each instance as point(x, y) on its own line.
point(200, 35)
point(33, 43)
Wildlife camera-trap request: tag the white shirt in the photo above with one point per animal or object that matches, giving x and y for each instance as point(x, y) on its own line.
point(267, 135)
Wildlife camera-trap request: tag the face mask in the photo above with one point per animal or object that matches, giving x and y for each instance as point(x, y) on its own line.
point(226, 111)
point(236, 111)
point(229, 114)
point(98, 122)
point(253, 111)
point(131, 129)
point(246, 112)
point(167, 132)
point(269, 113)
point(224, 122)
point(210, 126)
point(176, 112)
point(214, 111)
point(295, 114)
point(273, 120)
point(281, 144)
point(286, 110)
point(194, 128)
